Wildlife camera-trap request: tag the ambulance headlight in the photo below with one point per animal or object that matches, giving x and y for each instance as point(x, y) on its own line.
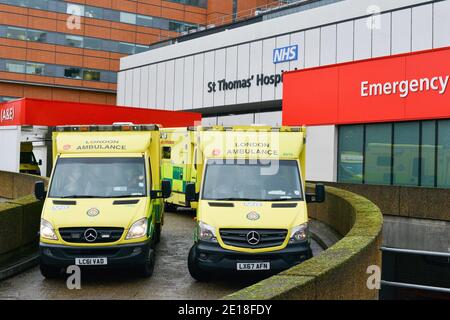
point(47, 231)
point(138, 229)
point(206, 233)
point(299, 233)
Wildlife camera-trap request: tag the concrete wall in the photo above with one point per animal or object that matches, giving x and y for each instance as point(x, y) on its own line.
point(14, 185)
point(20, 216)
point(339, 272)
point(410, 202)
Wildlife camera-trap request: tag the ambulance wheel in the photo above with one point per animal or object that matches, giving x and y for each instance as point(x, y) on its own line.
point(146, 270)
point(157, 233)
point(194, 270)
point(49, 272)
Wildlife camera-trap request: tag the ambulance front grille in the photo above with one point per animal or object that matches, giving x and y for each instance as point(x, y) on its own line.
point(245, 238)
point(80, 235)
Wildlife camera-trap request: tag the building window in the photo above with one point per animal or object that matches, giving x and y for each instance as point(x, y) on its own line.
point(6, 98)
point(350, 161)
point(144, 21)
point(91, 75)
point(428, 154)
point(126, 17)
point(35, 68)
point(15, 66)
point(443, 154)
point(92, 43)
point(415, 153)
point(140, 49)
point(378, 154)
point(74, 41)
point(75, 10)
point(16, 33)
point(406, 153)
point(93, 12)
point(74, 73)
point(126, 48)
point(38, 36)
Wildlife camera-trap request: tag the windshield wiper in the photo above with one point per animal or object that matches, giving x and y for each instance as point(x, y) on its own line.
point(236, 199)
point(128, 196)
point(285, 199)
point(79, 197)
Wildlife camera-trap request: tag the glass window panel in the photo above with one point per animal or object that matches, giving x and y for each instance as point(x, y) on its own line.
point(35, 35)
point(3, 31)
point(57, 6)
point(75, 9)
point(6, 99)
point(144, 21)
point(350, 155)
point(15, 66)
point(406, 153)
point(91, 75)
point(126, 47)
point(74, 73)
point(140, 48)
point(378, 154)
point(74, 41)
point(176, 26)
point(93, 12)
point(39, 4)
point(92, 43)
point(113, 77)
point(160, 23)
point(443, 154)
point(428, 154)
point(35, 68)
point(111, 15)
point(108, 45)
point(16, 33)
point(126, 17)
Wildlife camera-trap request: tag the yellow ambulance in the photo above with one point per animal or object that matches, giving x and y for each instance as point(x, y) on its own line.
point(252, 214)
point(177, 164)
point(28, 162)
point(104, 204)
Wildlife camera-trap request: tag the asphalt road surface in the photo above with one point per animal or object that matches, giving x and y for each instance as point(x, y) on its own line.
point(171, 279)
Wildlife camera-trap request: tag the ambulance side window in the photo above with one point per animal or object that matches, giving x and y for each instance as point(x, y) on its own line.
point(167, 152)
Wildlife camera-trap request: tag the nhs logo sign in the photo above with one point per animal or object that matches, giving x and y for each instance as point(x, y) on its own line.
point(285, 54)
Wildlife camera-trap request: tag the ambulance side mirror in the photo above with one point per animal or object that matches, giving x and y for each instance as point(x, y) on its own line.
point(166, 189)
point(39, 190)
point(40, 162)
point(191, 195)
point(318, 196)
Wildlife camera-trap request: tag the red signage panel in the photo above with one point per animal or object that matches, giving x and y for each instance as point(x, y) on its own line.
point(56, 113)
point(413, 86)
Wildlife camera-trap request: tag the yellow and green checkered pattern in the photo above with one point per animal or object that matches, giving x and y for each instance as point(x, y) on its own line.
point(176, 175)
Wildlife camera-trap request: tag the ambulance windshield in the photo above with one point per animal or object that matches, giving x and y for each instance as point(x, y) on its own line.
point(98, 178)
point(252, 180)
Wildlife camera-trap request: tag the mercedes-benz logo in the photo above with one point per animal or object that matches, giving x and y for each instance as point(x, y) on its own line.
point(253, 238)
point(90, 235)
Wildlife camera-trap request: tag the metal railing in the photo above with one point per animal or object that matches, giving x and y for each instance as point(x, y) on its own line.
point(235, 17)
point(412, 285)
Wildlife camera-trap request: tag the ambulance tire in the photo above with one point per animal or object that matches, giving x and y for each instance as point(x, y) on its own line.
point(50, 272)
point(194, 270)
point(157, 235)
point(146, 270)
